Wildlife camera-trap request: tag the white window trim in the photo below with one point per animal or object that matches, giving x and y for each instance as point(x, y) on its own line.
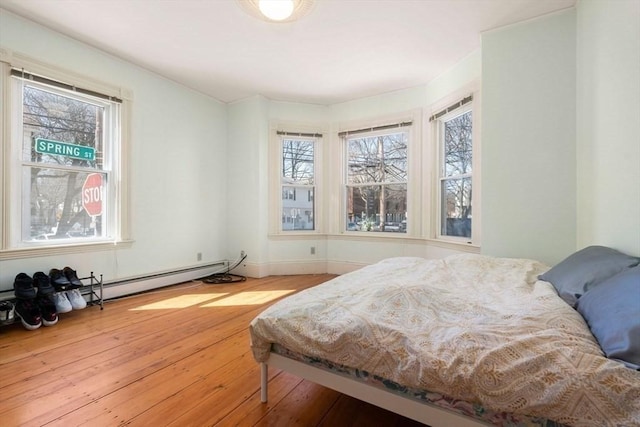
point(275, 177)
point(414, 173)
point(122, 233)
point(433, 157)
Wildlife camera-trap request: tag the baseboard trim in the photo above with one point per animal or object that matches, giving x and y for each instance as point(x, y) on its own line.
point(134, 285)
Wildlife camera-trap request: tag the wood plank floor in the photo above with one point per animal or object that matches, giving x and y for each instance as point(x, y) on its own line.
point(178, 356)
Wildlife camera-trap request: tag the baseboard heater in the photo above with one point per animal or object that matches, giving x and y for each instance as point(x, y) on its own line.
point(139, 284)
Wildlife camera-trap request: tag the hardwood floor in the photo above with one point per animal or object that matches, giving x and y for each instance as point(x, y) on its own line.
point(178, 356)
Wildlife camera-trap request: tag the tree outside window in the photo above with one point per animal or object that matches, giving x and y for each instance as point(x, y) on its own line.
point(376, 188)
point(63, 142)
point(456, 170)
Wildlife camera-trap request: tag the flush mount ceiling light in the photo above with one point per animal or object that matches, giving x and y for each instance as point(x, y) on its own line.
point(276, 10)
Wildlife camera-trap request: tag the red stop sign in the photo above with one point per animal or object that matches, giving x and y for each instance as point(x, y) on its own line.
point(92, 193)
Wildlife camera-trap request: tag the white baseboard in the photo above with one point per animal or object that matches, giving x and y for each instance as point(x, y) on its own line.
point(146, 283)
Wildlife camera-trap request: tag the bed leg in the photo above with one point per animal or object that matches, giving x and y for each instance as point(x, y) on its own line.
point(264, 374)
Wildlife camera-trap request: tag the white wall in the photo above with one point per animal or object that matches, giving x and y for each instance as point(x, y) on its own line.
point(178, 164)
point(608, 120)
point(247, 183)
point(528, 139)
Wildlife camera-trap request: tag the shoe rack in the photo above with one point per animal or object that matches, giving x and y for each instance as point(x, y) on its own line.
point(93, 290)
point(95, 285)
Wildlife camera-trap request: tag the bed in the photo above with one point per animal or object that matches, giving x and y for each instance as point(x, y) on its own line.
point(468, 340)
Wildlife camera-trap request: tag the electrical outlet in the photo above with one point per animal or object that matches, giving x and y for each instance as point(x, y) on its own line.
point(242, 254)
point(199, 256)
point(313, 250)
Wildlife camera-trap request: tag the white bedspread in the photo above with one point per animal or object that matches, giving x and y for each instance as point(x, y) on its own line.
point(475, 328)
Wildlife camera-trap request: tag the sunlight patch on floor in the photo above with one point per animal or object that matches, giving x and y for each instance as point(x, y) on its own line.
point(249, 298)
point(182, 301)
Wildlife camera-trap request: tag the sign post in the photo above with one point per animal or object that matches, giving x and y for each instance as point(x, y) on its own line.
point(92, 194)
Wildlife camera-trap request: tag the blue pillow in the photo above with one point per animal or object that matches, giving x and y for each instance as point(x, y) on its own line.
point(612, 310)
point(584, 269)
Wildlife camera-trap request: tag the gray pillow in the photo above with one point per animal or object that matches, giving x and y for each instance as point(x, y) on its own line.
point(584, 269)
point(612, 310)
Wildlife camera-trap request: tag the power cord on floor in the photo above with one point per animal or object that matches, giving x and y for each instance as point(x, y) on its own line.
point(226, 277)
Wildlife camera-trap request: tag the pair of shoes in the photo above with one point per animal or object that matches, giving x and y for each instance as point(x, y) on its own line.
point(33, 305)
point(65, 301)
point(67, 286)
point(65, 279)
point(6, 313)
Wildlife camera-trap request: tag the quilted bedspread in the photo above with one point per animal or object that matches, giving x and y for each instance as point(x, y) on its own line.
point(472, 327)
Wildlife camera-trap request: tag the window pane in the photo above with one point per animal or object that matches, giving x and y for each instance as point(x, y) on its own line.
point(377, 159)
point(60, 208)
point(298, 208)
point(457, 145)
point(61, 130)
point(297, 161)
point(456, 207)
point(377, 208)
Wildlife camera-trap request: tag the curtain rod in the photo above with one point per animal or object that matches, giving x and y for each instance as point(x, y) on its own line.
point(372, 129)
point(308, 135)
point(21, 74)
point(451, 107)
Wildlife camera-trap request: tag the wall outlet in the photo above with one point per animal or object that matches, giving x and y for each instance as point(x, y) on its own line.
point(313, 250)
point(199, 256)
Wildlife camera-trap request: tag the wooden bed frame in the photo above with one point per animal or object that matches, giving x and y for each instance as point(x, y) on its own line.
point(423, 412)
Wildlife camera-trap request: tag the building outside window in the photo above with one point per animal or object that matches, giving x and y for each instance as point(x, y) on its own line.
point(298, 183)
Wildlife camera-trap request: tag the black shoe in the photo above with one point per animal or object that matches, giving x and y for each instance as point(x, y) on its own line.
point(23, 287)
point(48, 313)
point(59, 280)
point(29, 313)
point(42, 282)
point(71, 276)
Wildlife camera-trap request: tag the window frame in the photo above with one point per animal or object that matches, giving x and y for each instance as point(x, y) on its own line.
point(345, 185)
point(11, 182)
point(278, 133)
point(437, 164)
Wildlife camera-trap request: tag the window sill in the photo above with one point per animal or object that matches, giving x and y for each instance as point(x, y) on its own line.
point(461, 245)
point(381, 237)
point(31, 252)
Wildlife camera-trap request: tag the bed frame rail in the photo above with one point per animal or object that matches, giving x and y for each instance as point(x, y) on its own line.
point(423, 412)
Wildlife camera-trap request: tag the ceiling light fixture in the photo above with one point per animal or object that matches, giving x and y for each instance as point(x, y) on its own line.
point(277, 10)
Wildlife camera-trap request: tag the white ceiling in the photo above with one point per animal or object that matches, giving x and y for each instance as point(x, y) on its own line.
point(342, 50)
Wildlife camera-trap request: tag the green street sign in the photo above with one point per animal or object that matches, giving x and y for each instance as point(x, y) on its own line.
point(47, 146)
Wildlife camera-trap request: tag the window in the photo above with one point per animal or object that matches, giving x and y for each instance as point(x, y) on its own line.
point(298, 183)
point(455, 141)
point(65, 166)
point(376, 181)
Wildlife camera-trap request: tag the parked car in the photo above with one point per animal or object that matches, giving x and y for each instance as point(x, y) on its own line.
point(391, 226)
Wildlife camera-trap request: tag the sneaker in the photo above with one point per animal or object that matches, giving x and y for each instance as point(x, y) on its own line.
point(42, 282)
point(72, 277)
point(59, 280)
point(76, 299)
point(6, 313)
point(47, 310)
point(23, 287)
point(29, 313)
point(61, 302)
